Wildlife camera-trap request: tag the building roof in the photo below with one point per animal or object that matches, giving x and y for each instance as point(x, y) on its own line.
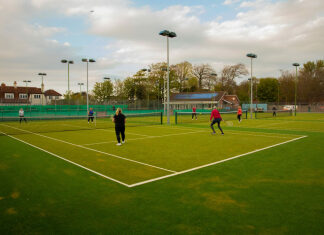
point(197, 96)
point(232, 99)
point(52, 93)
point(19, 89)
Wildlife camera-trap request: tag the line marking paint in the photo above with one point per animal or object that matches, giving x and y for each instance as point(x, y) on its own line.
point(55, 155)
point(80, 146)
point(213, 163)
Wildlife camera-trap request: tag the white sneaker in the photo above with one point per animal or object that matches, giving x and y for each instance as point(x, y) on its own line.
point(123, 142)
point(119, 144)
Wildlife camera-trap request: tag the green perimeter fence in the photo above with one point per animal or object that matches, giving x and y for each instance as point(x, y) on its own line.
point(66, 110)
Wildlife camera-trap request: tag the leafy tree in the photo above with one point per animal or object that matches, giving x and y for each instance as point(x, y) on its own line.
point(243, 91)
point(267, 89)
point(286, 87)
point(311, 82)
point(102, 90)
point(182, 72)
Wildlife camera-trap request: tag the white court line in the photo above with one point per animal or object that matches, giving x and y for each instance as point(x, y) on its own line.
point(55, 155)
point(273, 134)
point(149, 137)
point(80, 146)
point(285, 129)
point(210, 164)
point(101, 129)
point(232, 132)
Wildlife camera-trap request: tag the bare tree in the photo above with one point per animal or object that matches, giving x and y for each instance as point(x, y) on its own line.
point(228, 76)
point(202, 72)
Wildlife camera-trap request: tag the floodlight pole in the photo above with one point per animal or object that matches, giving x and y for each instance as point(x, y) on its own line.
point(42, 86)
point(171, 35)
point(296, 65)
point(87, 87)
point(68, 62)
point(252, 56)
point(80, 84)
point(168, 83)
point(87, 61)
point(251, 105)
point(26, 81)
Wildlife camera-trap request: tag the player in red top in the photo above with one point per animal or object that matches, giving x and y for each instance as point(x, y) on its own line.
point(215, 117)
point(239, 113)
point(194, 113)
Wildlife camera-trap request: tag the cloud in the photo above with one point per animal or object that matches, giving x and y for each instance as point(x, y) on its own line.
point(229, 2)
point(280, 32)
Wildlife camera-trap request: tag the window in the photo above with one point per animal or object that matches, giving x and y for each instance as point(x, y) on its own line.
point(37, 96)
point(50, 97)
point(9, 95)
point(23, 96)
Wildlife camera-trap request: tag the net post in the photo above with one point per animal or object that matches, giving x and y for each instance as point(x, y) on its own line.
point(255, 114)
point(176, 117)
point(161, 116)
point(95, 118)
point(246, 114)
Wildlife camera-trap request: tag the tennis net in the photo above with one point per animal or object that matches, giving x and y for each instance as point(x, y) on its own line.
point(203, 117)
point(46, 124)
point(272, 114)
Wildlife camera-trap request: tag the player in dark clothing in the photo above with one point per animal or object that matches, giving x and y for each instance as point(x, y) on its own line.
point(119, 119)
point(90, 115)
point(274, 113)
point(216, 118)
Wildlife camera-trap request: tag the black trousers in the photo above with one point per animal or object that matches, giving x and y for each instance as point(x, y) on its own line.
point(194, 115)
point(274, 114)
point(216, 120)
point(90, 118)
point(239, 117)
point(22, 118)
point(120, 130)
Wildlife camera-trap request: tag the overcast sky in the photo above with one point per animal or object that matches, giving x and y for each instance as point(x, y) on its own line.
point(122, 36)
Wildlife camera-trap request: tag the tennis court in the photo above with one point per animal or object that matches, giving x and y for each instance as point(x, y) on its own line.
point(264, 176)
point(152, 151)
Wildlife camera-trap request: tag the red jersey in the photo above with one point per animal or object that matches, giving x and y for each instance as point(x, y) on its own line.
point(239, 112)
point(215, 114)
point(194, 109)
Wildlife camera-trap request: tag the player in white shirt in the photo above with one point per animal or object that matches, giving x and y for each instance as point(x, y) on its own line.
point(22, 115)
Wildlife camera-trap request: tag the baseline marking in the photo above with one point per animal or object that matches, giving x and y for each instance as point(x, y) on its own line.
point(74, 163)
point(80, 146)
point(213, 163)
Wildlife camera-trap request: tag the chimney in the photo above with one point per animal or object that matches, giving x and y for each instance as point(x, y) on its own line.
point(15, 84)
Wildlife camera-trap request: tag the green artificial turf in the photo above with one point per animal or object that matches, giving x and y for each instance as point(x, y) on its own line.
point(279, 190)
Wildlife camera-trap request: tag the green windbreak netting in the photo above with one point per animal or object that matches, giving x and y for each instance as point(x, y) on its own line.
point(57, 110)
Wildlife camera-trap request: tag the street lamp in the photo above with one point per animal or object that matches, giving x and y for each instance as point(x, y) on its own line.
point(26, 81)
point(296, 65)
point(87, 61)
point(80, 84)
point(252, 56)
point(68, 62)
point(42, 87)
point(168, 34)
